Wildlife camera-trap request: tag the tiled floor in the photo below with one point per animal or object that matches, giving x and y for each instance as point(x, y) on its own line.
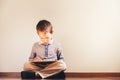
point(104, 78)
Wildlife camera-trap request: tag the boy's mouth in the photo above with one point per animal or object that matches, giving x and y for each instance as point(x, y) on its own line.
point(45, 42)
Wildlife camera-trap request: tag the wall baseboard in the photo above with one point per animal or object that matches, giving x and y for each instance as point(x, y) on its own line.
point(68, 74)
point(93, 74)
point(10, 74)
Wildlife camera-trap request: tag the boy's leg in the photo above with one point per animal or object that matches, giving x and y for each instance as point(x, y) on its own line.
point(30, 71)
point(28, 66)
point(52, 69)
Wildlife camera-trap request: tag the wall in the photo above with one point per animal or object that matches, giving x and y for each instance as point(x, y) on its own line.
point(89, 31)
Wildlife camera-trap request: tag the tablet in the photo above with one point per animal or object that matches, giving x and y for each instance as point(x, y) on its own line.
point(43, 64)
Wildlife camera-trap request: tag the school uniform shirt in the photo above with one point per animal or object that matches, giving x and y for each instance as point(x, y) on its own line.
point(54, 51)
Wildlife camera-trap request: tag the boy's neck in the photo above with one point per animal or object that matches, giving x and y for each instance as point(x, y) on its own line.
point(51, 41)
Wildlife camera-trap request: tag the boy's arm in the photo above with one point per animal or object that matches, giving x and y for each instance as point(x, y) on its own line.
point(33, 57)
point(59, 54)
point(33, 53)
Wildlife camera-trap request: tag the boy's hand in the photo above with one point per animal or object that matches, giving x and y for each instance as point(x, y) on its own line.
point(36, 59)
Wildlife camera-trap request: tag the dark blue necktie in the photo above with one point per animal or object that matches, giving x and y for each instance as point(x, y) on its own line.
point(46, 50)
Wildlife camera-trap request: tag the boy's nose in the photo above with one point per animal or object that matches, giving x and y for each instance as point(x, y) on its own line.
point(45, 40)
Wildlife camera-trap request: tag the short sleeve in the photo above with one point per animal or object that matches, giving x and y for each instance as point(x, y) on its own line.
point(33, 53)
point(59, 53)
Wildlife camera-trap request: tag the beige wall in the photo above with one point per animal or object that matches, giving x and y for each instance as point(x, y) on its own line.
point(89, 31)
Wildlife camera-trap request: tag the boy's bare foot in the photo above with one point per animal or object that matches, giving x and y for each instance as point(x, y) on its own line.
point(37, 74)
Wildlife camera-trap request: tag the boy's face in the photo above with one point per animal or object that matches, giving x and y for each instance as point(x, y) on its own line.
point(45, 37)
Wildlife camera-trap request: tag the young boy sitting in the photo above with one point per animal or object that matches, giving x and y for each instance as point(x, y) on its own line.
point(45, 50)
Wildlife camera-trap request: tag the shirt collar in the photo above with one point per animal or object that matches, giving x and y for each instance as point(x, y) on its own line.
point(40, 43)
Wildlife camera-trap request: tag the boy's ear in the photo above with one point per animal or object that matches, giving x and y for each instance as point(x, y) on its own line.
point(37, 32)
point(52, 32)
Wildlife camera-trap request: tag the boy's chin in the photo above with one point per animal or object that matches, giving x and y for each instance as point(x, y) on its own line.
point(45, 43)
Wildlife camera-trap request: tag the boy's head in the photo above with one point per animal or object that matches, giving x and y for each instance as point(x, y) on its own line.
point(44, 30)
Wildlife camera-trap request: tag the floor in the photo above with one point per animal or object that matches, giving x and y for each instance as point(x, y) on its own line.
point(104, 78)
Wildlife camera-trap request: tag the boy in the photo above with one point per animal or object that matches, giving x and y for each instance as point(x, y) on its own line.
point(45, 50)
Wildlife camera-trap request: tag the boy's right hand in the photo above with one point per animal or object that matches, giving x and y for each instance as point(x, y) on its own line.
point(36, 59)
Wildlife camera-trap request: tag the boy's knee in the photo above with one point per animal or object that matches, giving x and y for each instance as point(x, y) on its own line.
point(26, 65)
point(62, 64)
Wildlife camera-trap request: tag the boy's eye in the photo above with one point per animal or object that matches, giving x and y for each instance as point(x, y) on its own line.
point(46, 32)
point(45, 38)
